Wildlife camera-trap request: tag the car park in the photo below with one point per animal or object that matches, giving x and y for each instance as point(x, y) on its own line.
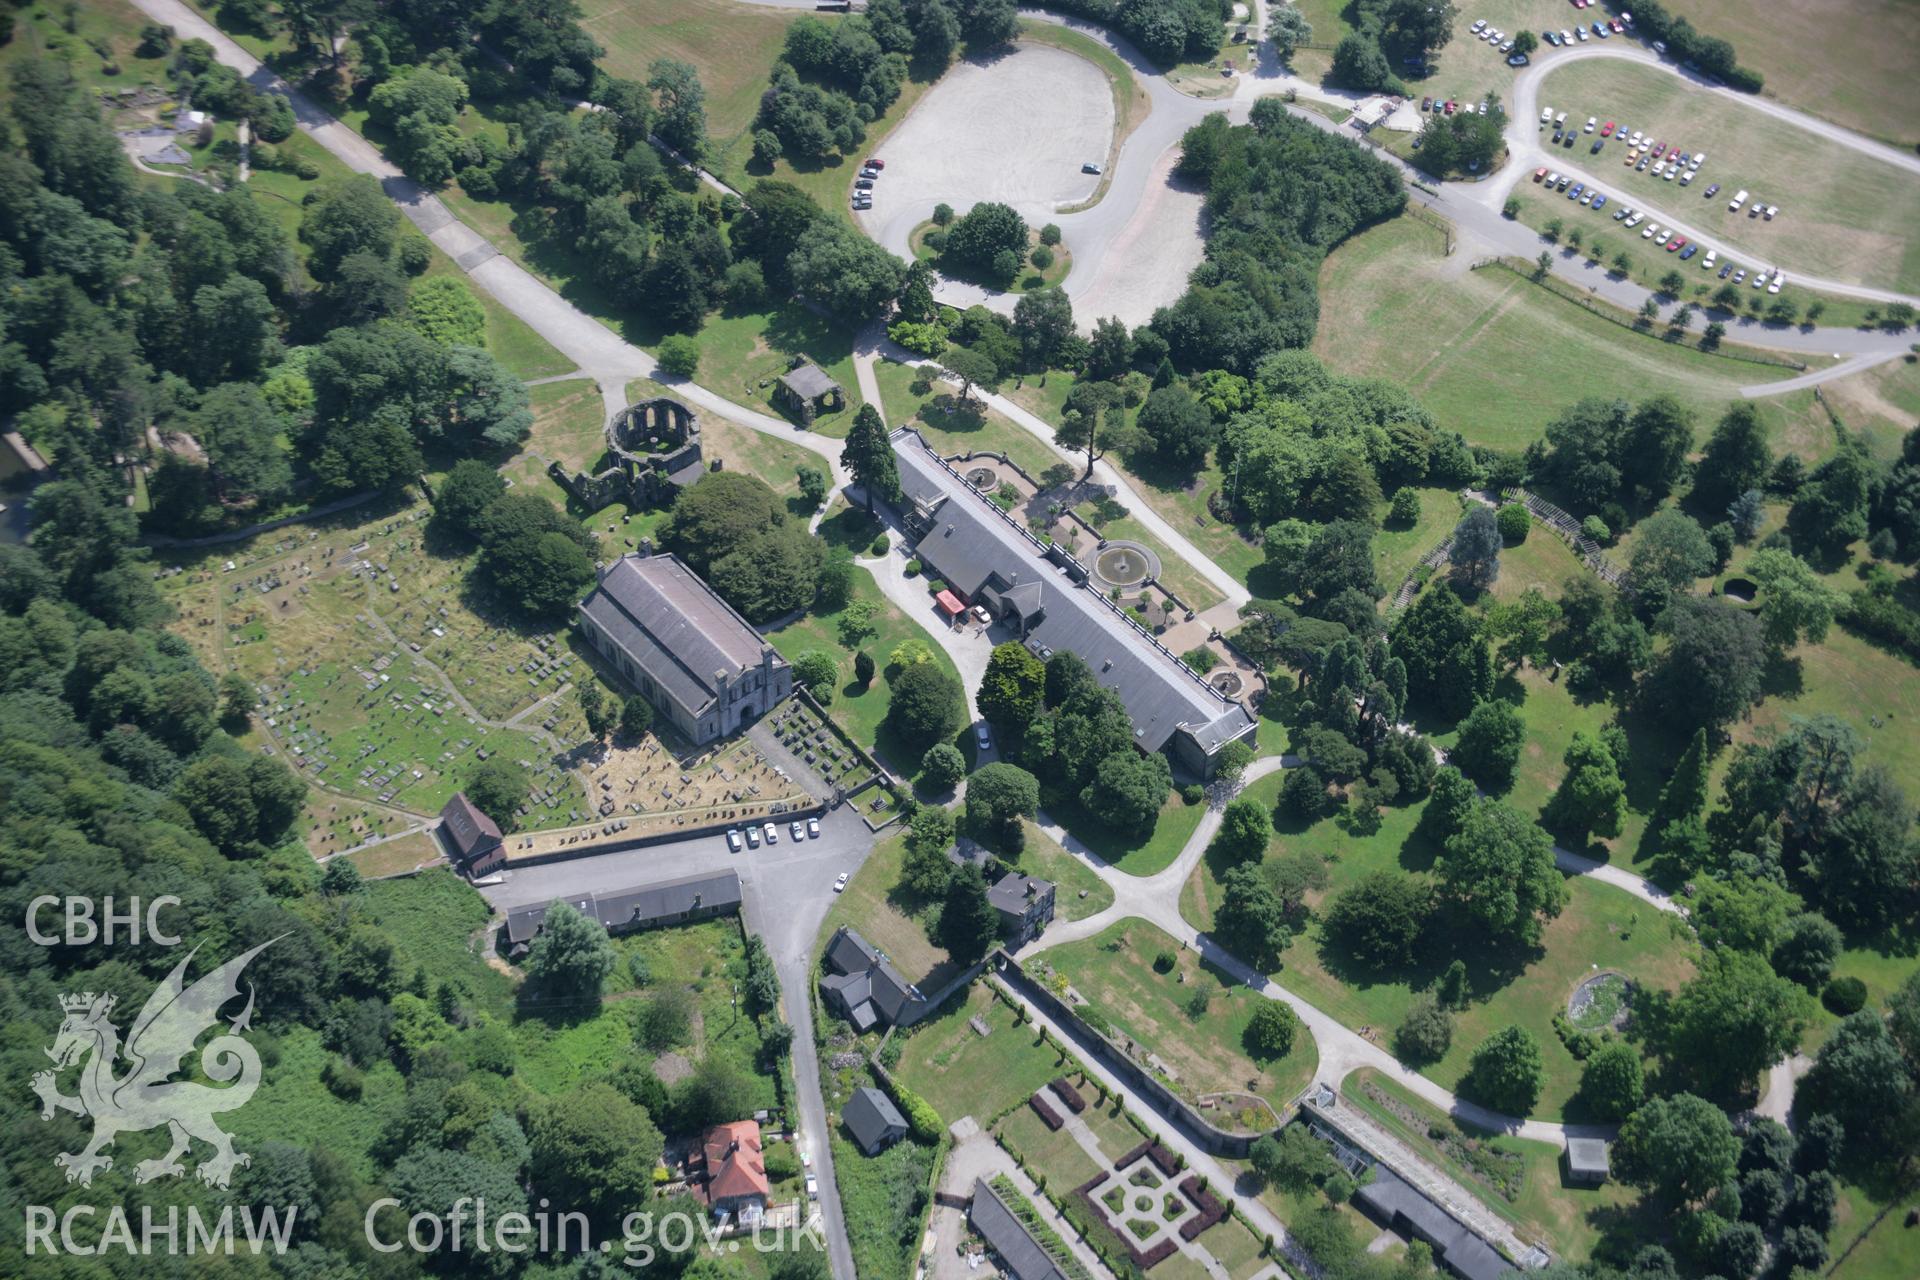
point(1599, 201)
point(753, 837)
point(1689, 251)
point(733, 839)
point(813, 828)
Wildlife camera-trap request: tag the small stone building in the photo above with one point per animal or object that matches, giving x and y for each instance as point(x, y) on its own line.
point(873, 1120)
point(1587, 1161)
point(472, 839)
point(1024, 905)
point(807, 392)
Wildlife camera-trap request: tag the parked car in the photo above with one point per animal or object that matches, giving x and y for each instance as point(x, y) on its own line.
point(1580, 34)
point(1689, 251)
point(839, 886)
point(1606, 130)
point(1779, 278)
point(1771, 210)
point(1600, 30)
point(1686, 177)
point(1518, 60)
point(1699, 158)
point(733, 839)
point(1726, 271)
point(1551, 37)
point(1706, 263)
point(1663, 237)
point(1676, 244)
point(753, 837)
point(1622, 214)
point(772, 833)
point(1571, 135)
point(1760, 278)
point(797, 831)
point(863, 184)
point(982, 738)
point(1713, 191)
point(1739, 275)
point(1587, 199)
point(1648, 233)
point(1564, 180)
point(876, 162)
point(1426, 103)
point(1599, 201)
point(813, 828)
point(1559, 134)
point(1660, 47)
point(1614, 25)
point(1566, 36)
point(1479, 25)
point(1539, 174)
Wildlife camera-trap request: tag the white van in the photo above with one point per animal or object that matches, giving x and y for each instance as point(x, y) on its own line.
point(1560, 121)
point(1739, 198)
point(1546, 115)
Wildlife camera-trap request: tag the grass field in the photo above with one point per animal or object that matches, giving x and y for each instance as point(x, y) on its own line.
point(1601, 926)
point(1844, 215)
point(1846, 60)
point(732, 45)
point(937, 414)
point(963, 1073)
point(1117, 972)
point(1883, 403)
point(1490, 354)
point(741, 355)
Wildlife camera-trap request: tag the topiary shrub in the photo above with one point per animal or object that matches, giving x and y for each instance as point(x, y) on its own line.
point(1844, 996)
point(880, 545)
point(1514, 523)
point(1193, 793)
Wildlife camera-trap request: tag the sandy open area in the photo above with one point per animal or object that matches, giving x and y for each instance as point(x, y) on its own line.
point(1014, 128)
point(1147, 264)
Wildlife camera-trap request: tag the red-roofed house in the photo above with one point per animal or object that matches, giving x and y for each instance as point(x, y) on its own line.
point(734, 1183)
point(471, 837)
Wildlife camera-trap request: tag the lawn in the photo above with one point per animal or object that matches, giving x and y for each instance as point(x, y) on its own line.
point(1601, 926)
point(876, 905)
point(1397, 549)
point(1845, 216)
point(742, 353)
point(40, 34)
point(1138, 853)
point(951, 427)
point(1547, 1208)
point(733, 46)
point(1119, 974)
point(962, 1072)
point(1882, 403)
point(1081, 891)
point(1475, 346)
point(860, 710)
point(1842, 59)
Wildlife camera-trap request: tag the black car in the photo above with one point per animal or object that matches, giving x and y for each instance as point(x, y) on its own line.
point(1713, 191)
point(1597, 144)
point(863, 183)
point(1569, 142)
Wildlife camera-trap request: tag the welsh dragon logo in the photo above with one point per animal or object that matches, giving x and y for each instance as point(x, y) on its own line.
point(145, 1097)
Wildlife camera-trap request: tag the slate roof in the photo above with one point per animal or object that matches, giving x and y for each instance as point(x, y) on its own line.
point(809, 380)
point(974, 545)
point(1024, 1257)
point(643, 905)
point(1392, 1200)
point(871, 1116)
point(1010, 894)
point(1587, 1155)
point(735, 1165)
point(862, 976)
point(471, 831)
point(674, 626)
